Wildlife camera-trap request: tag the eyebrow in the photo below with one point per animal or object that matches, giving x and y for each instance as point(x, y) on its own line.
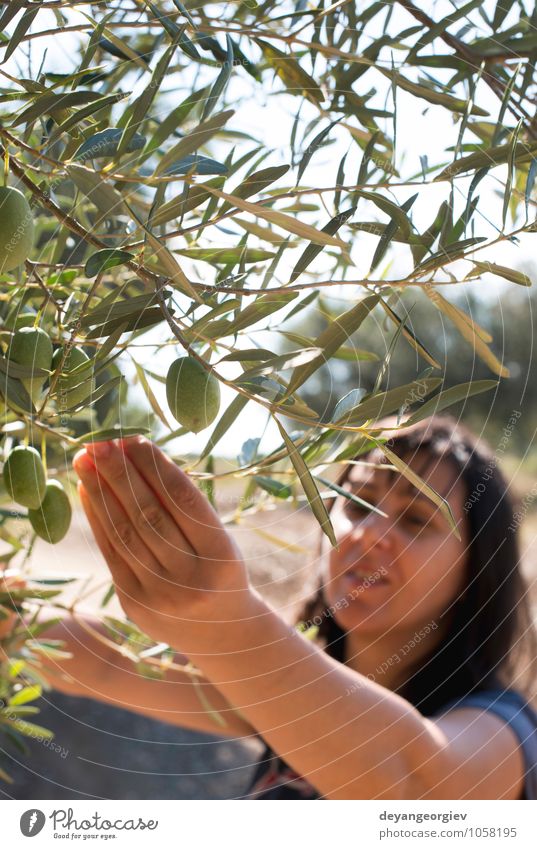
point(410, 491)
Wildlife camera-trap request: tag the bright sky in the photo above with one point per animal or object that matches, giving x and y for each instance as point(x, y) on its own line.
point(421, 129)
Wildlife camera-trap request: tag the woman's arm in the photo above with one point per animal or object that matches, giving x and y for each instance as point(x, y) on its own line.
point(98, 671)
point(179, 575)
point(352, 738)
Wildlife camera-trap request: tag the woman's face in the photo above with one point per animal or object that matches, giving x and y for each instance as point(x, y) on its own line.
point(400, 571)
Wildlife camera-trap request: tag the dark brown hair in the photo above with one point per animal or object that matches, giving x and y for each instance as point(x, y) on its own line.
point(492, 639)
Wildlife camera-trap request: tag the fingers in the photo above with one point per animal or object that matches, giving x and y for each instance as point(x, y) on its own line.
point(191, 510)
point(150, 518)
point(124, 578)
point(116, 525)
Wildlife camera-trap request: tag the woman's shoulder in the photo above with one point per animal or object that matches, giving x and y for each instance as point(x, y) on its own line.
point(507, 702)
point(511, 706)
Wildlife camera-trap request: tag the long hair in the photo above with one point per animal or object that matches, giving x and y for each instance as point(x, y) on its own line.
point(492, 640)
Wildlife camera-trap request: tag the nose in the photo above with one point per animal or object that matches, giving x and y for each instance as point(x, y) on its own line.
point(372, 532)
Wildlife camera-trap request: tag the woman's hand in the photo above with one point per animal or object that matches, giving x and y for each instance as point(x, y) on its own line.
point(177, 571)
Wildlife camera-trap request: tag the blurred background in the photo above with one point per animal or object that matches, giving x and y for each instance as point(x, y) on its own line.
point(103, 752)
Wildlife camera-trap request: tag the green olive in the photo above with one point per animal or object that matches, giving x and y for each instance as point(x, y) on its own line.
point(24, 476)
point(16, 229)
point(193, 394)
point(52, 519)
point(31, 346)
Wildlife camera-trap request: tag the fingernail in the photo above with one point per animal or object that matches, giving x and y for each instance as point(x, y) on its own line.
point(82, 463)
point(131, 442)
point(100, 450)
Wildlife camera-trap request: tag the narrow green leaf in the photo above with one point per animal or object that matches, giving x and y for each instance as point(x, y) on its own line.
point(396, 213)
point(530, 182)
point(313, 146)
point(227, 255)
point(105, 144)
point(385, 403)
point(224, 423)
point(388, 234)
point(11, 9)
point(347, 403)
point(149, 394)
point(185, 12)
point(309, 486)
point(351, 496)
point(175, 119)
point(196, 164)
point(52, 102)
point(105, 259)
point(366, 158)
point(168, 262)
point(136, 112)
point(105, 197)
point(506, 100)
point(333, 338)
point(451, 396)
point(256, 182)
point(105, 435)
point(420, 484)
point(20, 31)
point(124, 308)
point(280, 219)
point(27, 694)
point(439, 98)
point(510, 172)
point(448, 254)
point(273, 487)
point(29, 729)
point(489, 157)
point(194, 140)
point(501, 270)
point(314, 250)
point(220, 82)
point(108, 596)
point(291, 73)
point(281, 362)
point(86, 112)
point(503, 7)
point(410, 335)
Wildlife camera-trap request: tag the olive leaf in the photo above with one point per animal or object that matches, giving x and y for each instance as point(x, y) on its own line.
point(309, 486)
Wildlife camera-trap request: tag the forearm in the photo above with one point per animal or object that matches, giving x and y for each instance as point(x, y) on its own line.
point(350, 737)
point(98, 670)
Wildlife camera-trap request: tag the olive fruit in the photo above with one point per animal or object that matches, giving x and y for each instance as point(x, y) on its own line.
point(24, 476)
point(72, 389)
point(52, 519)
point(193, 394)
point(18, 318)
point(31, 346)
point(16, 229)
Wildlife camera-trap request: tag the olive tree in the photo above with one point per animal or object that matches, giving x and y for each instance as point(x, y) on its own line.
point(199, 176)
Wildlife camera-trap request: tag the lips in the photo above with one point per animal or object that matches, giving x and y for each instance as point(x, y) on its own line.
point(367, 570)
point(353, 581)
point(365, 576)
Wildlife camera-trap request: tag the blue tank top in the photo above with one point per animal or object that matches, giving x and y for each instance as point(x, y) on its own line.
point(519, 715)
point(274, 779)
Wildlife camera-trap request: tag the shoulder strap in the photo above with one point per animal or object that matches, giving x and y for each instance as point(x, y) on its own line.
point(512, 707)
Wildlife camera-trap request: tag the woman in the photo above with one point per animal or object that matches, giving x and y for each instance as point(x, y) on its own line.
point(415, 687)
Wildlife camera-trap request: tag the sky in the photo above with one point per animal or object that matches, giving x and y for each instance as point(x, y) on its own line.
point(421, 129)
